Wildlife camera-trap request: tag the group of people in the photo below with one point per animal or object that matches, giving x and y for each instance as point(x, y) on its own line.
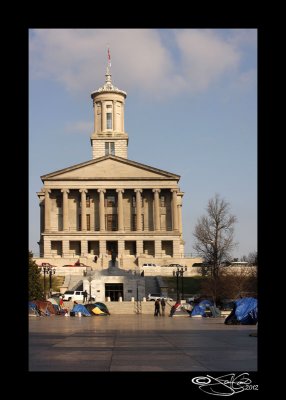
point(158, 306)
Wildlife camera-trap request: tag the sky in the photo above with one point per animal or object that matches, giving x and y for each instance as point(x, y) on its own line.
point(191, 109)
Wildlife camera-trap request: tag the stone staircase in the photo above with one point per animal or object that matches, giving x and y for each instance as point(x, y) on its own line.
point(72, 282)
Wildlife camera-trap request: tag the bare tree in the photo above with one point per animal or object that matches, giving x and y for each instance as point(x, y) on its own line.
point(214, 234)
point(231, 283)
point(252, 258)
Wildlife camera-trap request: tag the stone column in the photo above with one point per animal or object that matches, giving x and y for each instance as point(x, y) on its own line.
point(101, 210)
point(122, 116)
point(120, 209)
point(65, 193)
point(158, 248)
point(114, 116)
point(103, 116)
point(47, 247)
point(95, 115)
point(180, 203)
point(138, 209)
point(66, 248)
point(139, 248)
point(47, 210)
point(102, 251)
point(84, 249)
point(42, 216)
point(120, 250)
point(156, 209)
point(176, 248)
point(175, 210)
point(83, 209)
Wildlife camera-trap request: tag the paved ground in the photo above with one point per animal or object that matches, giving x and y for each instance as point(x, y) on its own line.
point(140, 343)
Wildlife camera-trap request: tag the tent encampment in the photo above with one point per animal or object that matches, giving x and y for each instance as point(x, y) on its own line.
point(245, 312)
point(98, 308)
point(80, 308)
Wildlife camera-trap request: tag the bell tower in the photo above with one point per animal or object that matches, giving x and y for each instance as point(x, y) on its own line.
point(109, 136)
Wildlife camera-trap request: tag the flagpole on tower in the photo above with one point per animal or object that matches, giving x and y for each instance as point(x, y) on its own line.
point(108, 57)
point(108, 74)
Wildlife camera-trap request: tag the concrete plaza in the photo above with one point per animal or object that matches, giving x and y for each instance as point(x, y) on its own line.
point(140, 343)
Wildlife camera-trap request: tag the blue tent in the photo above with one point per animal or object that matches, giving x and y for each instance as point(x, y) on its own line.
point(81, 308)
point(246, 311)
point(201, 308)
point(33, 309)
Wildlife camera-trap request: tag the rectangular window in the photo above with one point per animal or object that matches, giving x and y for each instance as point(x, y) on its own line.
point(109, 120)
point(88, 222)
point(162, 201)
point(79, 222)
point(112, 148)
point(111, 222)
point(87, 201)
point(109, 148)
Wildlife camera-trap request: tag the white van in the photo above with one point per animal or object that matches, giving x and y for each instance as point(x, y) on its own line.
point(74, 295)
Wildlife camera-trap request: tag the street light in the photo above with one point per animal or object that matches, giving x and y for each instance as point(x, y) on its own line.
point(177, 273)
point(89, 280)
point(182, 276)
point(48, 269)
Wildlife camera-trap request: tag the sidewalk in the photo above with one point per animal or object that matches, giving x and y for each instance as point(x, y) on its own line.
point(140, 343)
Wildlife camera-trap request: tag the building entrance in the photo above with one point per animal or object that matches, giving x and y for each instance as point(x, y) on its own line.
point(114, 291)
point(111, 247)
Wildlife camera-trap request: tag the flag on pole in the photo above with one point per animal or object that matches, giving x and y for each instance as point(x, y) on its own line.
point(108, 56)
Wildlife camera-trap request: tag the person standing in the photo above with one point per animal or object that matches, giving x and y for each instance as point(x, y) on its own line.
point(84, 296)
point(163, 305)
point(157, 308)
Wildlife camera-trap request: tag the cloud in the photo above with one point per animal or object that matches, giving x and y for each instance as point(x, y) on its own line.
point(79, 127)
point(141, 60)
point(206, 57)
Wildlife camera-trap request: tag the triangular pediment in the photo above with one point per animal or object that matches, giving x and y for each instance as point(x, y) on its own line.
point(109, 167)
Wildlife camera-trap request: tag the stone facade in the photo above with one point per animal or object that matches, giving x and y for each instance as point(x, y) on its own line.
point(110, 206)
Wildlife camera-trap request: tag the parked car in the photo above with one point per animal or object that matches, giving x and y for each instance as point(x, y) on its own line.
point(75, 265)
point(176, 265)
point(153, 297)
point(45, 264)
point(150, 265)
point(74, 295)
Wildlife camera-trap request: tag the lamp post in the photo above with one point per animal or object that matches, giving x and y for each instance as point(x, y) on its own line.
point(182, 281)
point(48, 269)
point(44, 282)
point(137, 292)
point(89, 280)
point(177, 273)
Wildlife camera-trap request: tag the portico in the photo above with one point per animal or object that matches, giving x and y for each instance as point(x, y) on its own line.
point(110, 203)
point(140, 214)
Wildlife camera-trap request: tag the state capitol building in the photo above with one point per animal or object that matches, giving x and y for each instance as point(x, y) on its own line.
point(111, 206)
